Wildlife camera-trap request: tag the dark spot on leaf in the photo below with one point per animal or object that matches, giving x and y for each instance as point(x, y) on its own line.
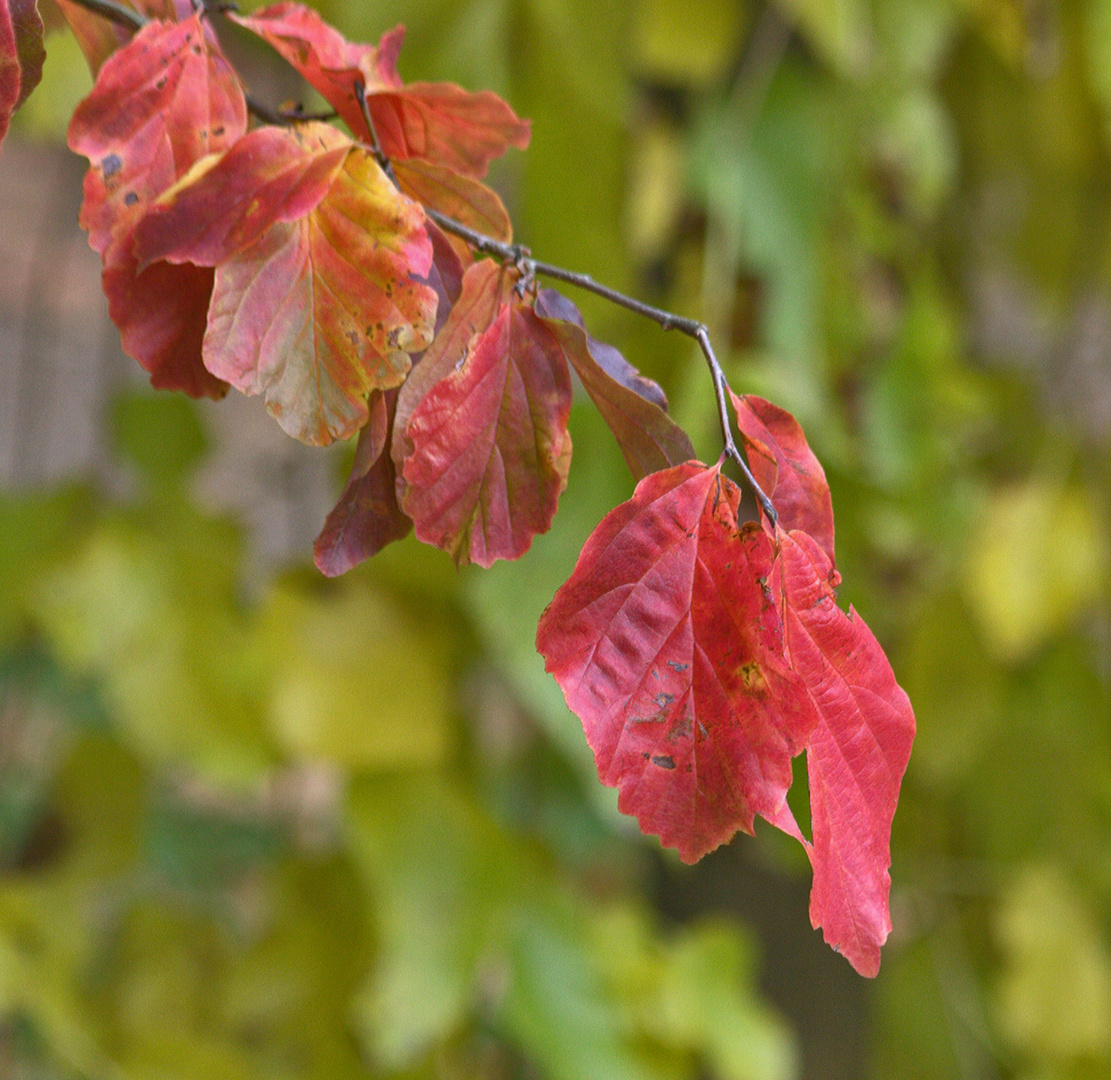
point(197, 50)
point(130, 199)
point(663, 700)
point(111, 165)
point(676, 666)
point(664, 761)
point(161, 83)
point(218, 131)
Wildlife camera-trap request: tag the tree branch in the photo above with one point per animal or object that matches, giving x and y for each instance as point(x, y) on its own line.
point(516, 254)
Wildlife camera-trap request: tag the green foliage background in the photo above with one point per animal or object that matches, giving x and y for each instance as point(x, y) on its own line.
point(320, 829)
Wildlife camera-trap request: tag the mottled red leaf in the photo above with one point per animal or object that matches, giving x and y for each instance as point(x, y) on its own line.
point(786, 468)
point(162, 102)
point(159, 104)
point(856, 756)
point(634, 407)
point(490, 447)
point(437, 122)
point(367, 516)
point(162, 313)
point(667, 643)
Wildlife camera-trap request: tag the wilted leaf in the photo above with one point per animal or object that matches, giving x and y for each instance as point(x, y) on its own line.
point(856, 755)
point(490, 447)
point(634, 407)
point(437, 122)
point(668, 645)
point(367, 516)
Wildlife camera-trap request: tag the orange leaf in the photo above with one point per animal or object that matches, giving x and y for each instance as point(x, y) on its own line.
point(320, 311)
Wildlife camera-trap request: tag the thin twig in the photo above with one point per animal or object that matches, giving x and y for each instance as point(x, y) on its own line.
point(117, 13)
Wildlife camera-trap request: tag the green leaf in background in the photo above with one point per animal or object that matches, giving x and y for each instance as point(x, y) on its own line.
point(354, 680)
point(1054, 989)
point(1035, 564)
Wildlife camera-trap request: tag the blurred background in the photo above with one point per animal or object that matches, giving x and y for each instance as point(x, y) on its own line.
point(254, 823)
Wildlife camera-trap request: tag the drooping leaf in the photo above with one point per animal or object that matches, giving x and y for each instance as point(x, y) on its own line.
point(856, 755)
point(21, 55)
point(490, 443)
point(162, 313)
point(668, 644)
point(97, 38)
point(159, 104)
point(785, 467)
point(634, 407)
point(367, 516)
point(437, 122)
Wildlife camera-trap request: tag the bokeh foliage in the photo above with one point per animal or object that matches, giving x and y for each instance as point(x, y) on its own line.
point(312, 828)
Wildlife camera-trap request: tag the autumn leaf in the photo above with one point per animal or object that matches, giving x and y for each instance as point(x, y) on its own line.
point(437, 122)
point(162, 102)
point(634, 407)
point(856, 755)
point(786, 469)
point(21, 56)
point(489, 443)
point(367, 516)
point(162, 313)
point(317, 298)
point(462, 198)
point(668, 645)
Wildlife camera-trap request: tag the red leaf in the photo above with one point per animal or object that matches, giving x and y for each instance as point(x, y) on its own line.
point(223, 205)
point(162, 102)
point(159, 104)
point(10, 72)
point(786, 468)
point(444, 124)
point(96, 36)
point(490, 447)
point(634, 407)
point(367, 516)
point(162, 313)
point(485, 287)
point(856, 756)
point(21, 55)
point(667, 643)
point(437, 122)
